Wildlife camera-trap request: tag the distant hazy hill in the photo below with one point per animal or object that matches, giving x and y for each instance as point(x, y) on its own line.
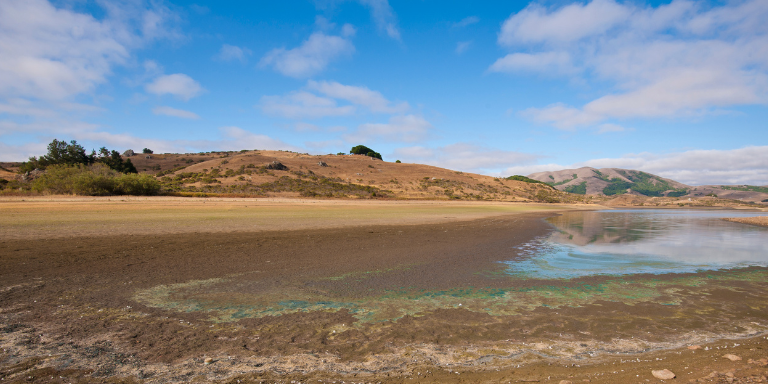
point(611, 181)
point(615, 181)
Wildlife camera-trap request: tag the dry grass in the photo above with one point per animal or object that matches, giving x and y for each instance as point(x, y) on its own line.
point(402, 181)
point(46, 217)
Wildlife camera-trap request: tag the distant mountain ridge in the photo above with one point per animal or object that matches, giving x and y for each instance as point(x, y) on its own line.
point(611, 181)
point(617, 181)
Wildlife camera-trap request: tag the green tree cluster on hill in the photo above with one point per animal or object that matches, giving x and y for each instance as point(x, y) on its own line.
point(363, 150)
point(61, 153)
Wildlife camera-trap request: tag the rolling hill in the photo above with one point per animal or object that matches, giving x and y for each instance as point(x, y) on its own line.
point(262, 173)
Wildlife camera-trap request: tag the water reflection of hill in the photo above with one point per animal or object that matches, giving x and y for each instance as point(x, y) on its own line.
point(598, 227)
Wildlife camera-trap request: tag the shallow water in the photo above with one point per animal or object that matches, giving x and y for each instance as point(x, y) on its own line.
point(623, 242)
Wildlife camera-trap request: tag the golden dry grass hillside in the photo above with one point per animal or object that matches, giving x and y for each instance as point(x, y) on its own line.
point(250, 173)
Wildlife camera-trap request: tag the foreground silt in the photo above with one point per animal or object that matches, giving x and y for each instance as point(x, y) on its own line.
point(378, 301)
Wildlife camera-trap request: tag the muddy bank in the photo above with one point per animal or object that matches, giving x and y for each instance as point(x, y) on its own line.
point(759, 220)
point(370, 303)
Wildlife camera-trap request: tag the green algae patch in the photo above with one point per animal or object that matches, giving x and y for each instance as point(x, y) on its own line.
point(234, 297)
point(359, 276)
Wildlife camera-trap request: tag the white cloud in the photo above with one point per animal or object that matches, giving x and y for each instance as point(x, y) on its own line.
point(462, 46)
point(569, 23)
point(363, 96)
point(466, 22)
point(748, 165)
point(544, 62)
point(675, 60)
point(168, 111)
point(464, 157)
point(384, 17)
point(177, 84)
point(407, 128)
point(24, 107)
point(52, 53)
point(231, 52)
point(302, 104)
point(311, 57)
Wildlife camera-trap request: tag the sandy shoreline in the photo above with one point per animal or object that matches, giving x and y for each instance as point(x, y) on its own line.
point(389, 298)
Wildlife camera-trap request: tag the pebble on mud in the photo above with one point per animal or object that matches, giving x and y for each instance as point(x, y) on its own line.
point(207, 361)
point(663, 374)
point(566, 382)
point(694, 347)
point(732, 357)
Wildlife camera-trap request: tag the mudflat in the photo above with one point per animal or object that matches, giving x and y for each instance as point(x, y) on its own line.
point(171, 290)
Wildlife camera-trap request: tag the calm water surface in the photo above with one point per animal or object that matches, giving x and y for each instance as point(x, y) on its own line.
point(621, 242)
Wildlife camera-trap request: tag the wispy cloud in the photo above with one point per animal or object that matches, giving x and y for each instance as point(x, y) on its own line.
point(305, 104)
point(311, 57)
point(302, 104)
point(405, 128)
point(467, 21)
point(177, 84)
point(231, 52)
point(168, 111)
point(362, 96)
point(674, 60)
point(609, 128)
point(462, 46)
point(384, 17)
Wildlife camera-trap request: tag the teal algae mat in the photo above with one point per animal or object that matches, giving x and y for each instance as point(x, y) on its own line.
point(231, 298)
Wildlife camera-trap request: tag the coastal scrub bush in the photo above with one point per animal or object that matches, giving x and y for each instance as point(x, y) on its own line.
point(135, 184)
point(95, 180)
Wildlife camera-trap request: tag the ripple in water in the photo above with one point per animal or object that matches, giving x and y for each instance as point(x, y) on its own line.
point(623, 242)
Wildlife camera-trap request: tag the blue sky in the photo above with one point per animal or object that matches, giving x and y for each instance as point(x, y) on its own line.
point(674, 88)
